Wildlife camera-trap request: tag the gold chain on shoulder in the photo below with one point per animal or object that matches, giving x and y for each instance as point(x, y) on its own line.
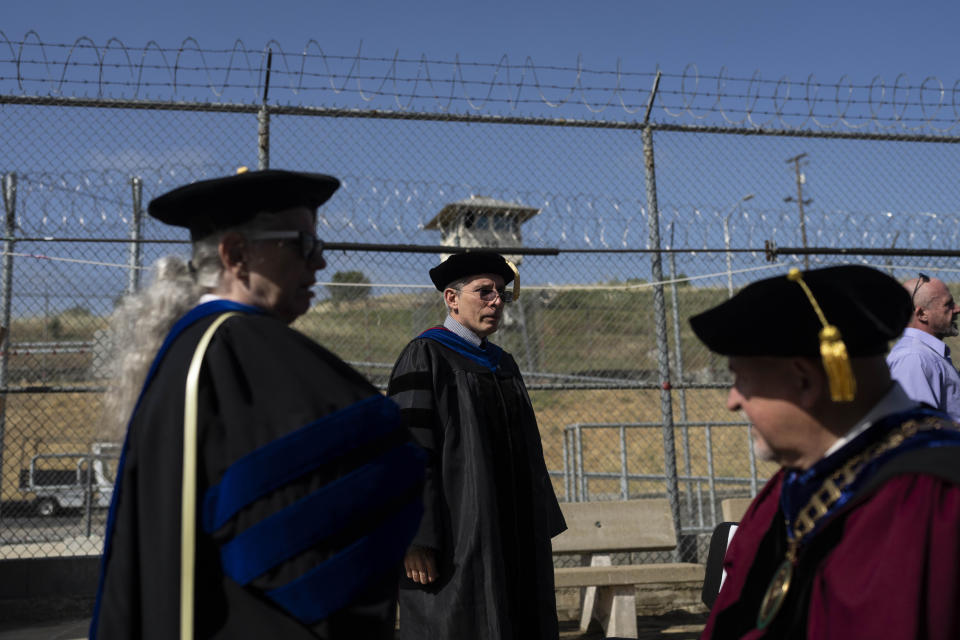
point(829, 493)
point(820, 504)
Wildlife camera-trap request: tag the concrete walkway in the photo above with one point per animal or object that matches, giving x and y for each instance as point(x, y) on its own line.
point(676, 625)
point(671, 626)
point(70, 630)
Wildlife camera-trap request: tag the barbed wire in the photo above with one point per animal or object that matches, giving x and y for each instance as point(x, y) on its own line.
point(379, 209)
point(756, 270)
point(30, 66)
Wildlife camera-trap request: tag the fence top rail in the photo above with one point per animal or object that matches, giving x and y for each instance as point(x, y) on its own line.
point(651, 425)
point(942, 135)
point(236, 79)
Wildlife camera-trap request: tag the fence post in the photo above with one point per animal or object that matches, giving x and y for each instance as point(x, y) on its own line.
point(263, 137)
point(582, 495)
point(529, 346)
point(663, 348)
point(6, 294)
point(711, 479)
point(136, 222)
point(624, 481)
point(88, 496)
point(263, 120)
point(678, 357)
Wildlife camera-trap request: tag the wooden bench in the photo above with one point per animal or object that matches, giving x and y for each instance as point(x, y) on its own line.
point(601, 528)
point(733, 509)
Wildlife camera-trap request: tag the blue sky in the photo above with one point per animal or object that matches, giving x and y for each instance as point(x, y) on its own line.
point(789, 37)
point(859, 40)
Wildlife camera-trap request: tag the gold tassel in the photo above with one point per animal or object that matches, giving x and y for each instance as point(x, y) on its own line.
point(833, 351)
point(516, 279)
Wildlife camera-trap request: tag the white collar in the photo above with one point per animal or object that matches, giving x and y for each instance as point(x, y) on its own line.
point(894, 401)
point(454, 325)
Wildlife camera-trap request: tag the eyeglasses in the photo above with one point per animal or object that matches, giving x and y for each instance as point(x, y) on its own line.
point(921, 280)
point(308, 244)
point(489, 295)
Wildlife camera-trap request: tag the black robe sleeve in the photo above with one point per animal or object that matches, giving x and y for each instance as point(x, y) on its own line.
point(411, 387)
point(308, 495)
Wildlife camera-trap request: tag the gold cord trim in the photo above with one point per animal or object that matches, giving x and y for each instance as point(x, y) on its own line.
point(516, 279)
point(188, 497)
point(833, 351)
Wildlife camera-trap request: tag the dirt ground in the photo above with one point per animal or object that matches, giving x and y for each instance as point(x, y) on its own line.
point(675, 625)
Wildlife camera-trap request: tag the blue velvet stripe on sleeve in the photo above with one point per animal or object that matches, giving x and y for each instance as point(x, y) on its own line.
point(287, 458)
point(339, 505)
point(334, 584)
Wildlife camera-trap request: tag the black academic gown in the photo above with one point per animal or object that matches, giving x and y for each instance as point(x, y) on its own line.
point(490, 508)
point(308, 493)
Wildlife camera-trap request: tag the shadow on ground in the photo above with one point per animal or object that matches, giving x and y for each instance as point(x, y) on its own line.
point(675, 625)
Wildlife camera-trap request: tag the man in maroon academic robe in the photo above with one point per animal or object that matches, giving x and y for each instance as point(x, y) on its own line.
point(858, 534)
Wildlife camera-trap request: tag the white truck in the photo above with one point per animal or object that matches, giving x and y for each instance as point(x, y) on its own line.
point(64, 480)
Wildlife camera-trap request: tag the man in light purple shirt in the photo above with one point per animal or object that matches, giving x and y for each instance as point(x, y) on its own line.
point(920, 360)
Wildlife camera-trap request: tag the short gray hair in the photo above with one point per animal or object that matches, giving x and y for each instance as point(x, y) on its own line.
point(459, 283)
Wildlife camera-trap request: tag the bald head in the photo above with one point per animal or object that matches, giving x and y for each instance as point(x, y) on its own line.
point(934, 309)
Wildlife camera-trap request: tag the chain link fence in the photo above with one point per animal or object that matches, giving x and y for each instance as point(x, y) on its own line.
point(638, 224)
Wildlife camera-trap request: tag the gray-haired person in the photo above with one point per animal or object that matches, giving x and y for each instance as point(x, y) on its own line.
point(266, 489)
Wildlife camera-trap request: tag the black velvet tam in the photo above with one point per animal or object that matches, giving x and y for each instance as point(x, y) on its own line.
point(774, 317)
point(472, 263)
point(212, 205)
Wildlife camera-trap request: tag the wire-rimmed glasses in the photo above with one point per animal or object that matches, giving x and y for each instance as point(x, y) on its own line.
point(489, 295)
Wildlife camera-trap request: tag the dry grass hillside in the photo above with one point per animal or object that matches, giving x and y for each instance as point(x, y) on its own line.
point(588, 334)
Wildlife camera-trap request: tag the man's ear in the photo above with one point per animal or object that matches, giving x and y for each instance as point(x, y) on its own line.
point(810, 381)
point(233, 253)
point(450, 297)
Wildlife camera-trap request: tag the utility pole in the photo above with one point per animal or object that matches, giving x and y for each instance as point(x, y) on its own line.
point(726, 240)
point(800, 202)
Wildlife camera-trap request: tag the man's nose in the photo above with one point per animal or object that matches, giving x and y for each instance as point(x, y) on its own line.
point(733, 400)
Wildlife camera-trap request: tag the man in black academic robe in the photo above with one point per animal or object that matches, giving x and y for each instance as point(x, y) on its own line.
point(490, 507)
point(307, 489)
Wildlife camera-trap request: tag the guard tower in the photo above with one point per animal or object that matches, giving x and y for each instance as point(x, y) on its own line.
point(479, 221)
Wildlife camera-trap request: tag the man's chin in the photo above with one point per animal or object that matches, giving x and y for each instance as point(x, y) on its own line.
point(761, 449)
